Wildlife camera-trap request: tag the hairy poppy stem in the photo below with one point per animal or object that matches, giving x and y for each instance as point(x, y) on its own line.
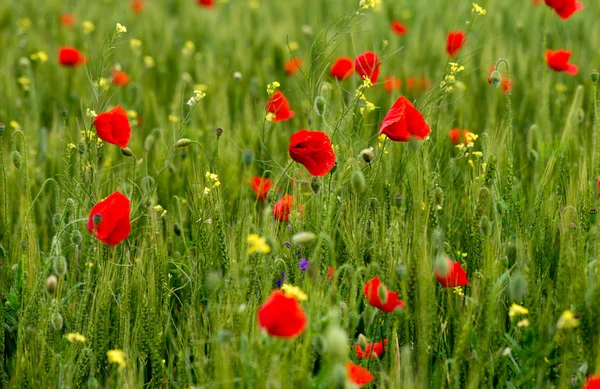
point(4, 187)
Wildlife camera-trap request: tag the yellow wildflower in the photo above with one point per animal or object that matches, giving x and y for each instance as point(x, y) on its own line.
point(567, 320)
point(116, 356)
point(40, 56)
point(148, 61)
point(15, 125)
point(294, 291)
point(173, 118)
point(272, 87)
point(135, 43)
point(478, 10)
point(75, 337)
point(515, 310)
point(88, 27)
point(366, 4)
point(121, 29)
point(523, 323)
point(257, 244)
point(188, 48)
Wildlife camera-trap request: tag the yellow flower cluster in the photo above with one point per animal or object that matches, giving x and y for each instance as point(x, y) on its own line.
point(188, 48)
point(366, 4)
point(272, 87)
point(294, 291)
point(214, 178)
point(515, 310)
point(478, 10)
point(40, 56)
point(567, 320)
point(116, 356)
point(450, 79)
point(88, 27)
point(257, 244)
point(75, 337)
point(121, 29)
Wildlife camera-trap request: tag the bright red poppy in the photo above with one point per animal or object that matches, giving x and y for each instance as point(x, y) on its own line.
point(592, 383)
point(70, 57)
point(454, 275)
point(261, 186)
point(206, 3)
point(137, 6)
point(404, 122)
point(358, 375)
point(454, 42)
point(282, 316)
point(399, 28)
point(283, 208)
point(119, 78)
point(558, 60)
point(109, 219)
point(372, 350)
point(67, 20)
point(391, 83)
point(507, 84)
point(342, 68)
point(374, 290)
point(565, 8)
point(292, 66)
point(279, 106)
point(313, 150)
point(367, 66)
point(330, 271)
point(113, 126)
point(459, 136)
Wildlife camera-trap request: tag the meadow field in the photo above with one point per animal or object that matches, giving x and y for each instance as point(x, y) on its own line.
point(300, 194)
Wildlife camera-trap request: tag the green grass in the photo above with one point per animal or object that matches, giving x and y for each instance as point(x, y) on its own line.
point(180, 295)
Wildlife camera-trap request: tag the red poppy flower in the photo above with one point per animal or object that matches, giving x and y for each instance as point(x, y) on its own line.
point(70, 57)
point(592, 383)
point(137, 6)
point(279, 106)
point(411, 82)
point(283, 208)
point(372, 350)
point(459, 136)
point(399, 28)
point(598, 186)
point(67, 20)
point(558, 60)
point(391, 84)
point(313, 150)
point(455, 275)
point(404, 122)
point(330, 271)
point(281, 316)
point(342, 68)
point(291, 66)
point(119, 78)
point(454, 42)
point(206, 3)
point(358, 375)
point(367, 66)
point(113, 126)
point(261, 186)
point(109, 219)
point(565, 8)
point(507, 84)
point(374, 290)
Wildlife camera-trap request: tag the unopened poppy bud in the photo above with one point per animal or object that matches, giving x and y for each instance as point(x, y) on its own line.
point(335, 165)
point(325, 91)
point(303, 238)
point(442, 265)
point(517, 287)
point(367, 155)
point(315, 184)
point(69, 205)
point(183, 142)
point(495, 79)
point(56, 218)
point(97, 219)
point(362, 341)
point(485, 226)
point(358, 181)
point(51, 284)
point(126, 151)
point(382, 293)
point(17, 159)
point(60, 266)
point(149, 142)
point(76, 237)
point(219, 132)
point(2, 128)
point(337, 343)
point(177, 229)
point(248, 158)
point(320, 106)
point(580, 115)
point(595, 75)
point(237, 76)
point(593, 216)
point(57, 321)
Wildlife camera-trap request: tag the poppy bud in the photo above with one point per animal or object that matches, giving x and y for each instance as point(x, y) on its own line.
point(149, 142)
point(325, 91)
point(337, 343)
point(51, 283)
point(69, 205)
point(485, 226)
point(303, 238)
point(177, 229)
point(126, 151)
point(56, 219)
point(320, 106)
point(315, 184)
point(237, 76)
point(76, 237)
point(398, 200)
point(367, 155)
point(362, 341)
point(382, 294)
point(60, 266)
point(248, 158)
point(57, 321)
point(580, 115)
point(495, 79)
point(442, 265)
point(17, 159)
point(358, 181)
point(219, 132)
point(594, 76)
point(2, 128)
point(183, 142)
point(593, 216)
point(97, 218)
point(517, 287)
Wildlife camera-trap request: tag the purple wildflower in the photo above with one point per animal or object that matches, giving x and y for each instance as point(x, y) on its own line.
point(304, 264)
point(281, 280)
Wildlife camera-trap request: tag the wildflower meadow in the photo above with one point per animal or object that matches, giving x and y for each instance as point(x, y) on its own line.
point(315, 194)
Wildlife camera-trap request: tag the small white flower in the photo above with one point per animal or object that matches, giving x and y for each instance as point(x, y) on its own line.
point(91, 113)
point(121, 28)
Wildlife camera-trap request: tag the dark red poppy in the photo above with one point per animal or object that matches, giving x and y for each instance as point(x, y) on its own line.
point(358, 375)
point(342, 68)
point(282, 316)
point(109, 219)
point(391, 84)
point(454, 42)
point(261, 186)
point(375, 290)
point(70, 57)
point(592, 383)
point(206, 3)
point(459, 136)
point(565, 8)
point(113, 126)
point(404, 122)
point(313, 150)
point(67, 20)
point(454, 275)
point(137, 6)
point(291, 66)
point(279, 106)
point(119, 78)
point(367, 66)
point(372, 350)
point(283, 208)
point(558, 60)
point(399, 28)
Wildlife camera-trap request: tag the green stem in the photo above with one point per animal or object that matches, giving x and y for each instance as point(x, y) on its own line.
point(4, 186)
